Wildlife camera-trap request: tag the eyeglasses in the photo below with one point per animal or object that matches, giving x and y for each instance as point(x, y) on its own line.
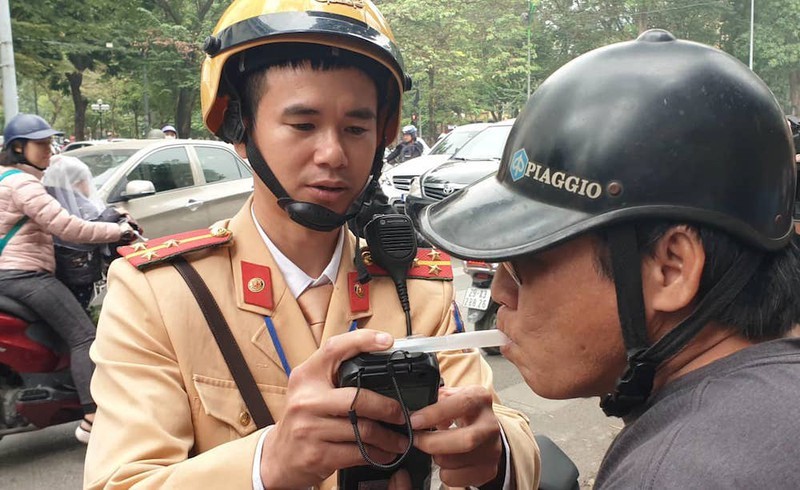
point(512, 271)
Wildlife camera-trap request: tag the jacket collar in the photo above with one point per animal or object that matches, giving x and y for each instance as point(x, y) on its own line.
point(290, 325)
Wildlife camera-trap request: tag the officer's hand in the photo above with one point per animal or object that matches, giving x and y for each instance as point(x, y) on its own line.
point(315, 438)
point(468, 454)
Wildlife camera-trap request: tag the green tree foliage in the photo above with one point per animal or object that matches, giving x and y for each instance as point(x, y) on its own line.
point(468, 58)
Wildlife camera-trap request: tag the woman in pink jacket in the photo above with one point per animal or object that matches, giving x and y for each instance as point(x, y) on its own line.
point(29, 217)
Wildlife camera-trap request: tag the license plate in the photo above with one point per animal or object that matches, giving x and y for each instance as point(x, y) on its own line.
point(478, 298)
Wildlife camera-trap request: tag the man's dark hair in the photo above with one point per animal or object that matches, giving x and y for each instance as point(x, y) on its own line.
point(295, 55)
point(766, 308)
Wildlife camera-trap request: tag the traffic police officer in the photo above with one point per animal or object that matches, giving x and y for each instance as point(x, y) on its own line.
point(309, 91)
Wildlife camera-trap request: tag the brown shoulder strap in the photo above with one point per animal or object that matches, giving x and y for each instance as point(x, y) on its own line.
point(227, 344)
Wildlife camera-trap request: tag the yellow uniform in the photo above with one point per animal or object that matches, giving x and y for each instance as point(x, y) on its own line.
point(169, 414)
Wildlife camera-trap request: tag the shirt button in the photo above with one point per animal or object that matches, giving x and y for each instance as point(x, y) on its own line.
point(244, 418)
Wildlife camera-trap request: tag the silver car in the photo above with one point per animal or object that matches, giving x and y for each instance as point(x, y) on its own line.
point(170, 186)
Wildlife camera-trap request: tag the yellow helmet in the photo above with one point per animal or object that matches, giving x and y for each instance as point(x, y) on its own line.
point(352, 25)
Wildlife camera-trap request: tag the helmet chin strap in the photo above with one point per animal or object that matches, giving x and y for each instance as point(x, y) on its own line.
point(636, 384)
point(307, 214)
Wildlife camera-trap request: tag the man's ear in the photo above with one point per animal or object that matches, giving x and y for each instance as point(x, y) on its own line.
point(671, 275)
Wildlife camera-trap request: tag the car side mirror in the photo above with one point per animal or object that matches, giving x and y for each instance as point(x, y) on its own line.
point(138, 188)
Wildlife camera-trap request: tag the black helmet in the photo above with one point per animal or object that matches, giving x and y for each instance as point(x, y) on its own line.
point(649, 128)
point(654, 128)
point(27, 127)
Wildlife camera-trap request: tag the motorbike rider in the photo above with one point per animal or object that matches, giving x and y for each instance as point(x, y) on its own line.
point(408, 148)
point(169, 132)
point(79, 265)
point(310, 92)
point(29, 218)
point(643, 215)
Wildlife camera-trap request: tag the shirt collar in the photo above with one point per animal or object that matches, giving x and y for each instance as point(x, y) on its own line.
point(296, 280)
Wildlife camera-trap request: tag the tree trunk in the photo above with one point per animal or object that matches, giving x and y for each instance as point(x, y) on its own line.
point(183, 116)
point(431, 104)
point(641, 17)
point(80, 102)
point(794, 91)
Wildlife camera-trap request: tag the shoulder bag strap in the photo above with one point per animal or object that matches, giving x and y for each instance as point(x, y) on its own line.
point(14, 229)
point(227, 344)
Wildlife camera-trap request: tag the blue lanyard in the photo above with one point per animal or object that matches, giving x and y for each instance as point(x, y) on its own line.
point(457, 317)
point(279, 347)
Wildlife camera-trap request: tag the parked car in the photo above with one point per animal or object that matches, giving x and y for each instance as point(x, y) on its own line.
point(396, 180)
point(170, 186)
point(478, 158)
point(83, 144)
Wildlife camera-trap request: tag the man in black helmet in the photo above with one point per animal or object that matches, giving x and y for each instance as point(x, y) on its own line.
point(643, 216)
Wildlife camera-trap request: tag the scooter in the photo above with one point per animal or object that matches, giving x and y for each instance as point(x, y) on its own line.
point(482, 311)
point(36, 389)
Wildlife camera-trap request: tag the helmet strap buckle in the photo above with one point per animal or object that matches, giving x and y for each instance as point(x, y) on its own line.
point(633, 388)
point(233, 129)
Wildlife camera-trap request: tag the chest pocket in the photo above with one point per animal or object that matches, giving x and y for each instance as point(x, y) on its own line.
point(220, 400)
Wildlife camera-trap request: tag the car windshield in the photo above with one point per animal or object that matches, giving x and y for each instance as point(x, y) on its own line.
point(487, 145)
point(452, 142)
point(103, 162)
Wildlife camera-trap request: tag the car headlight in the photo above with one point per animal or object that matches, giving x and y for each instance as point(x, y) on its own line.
point(385, 180)
point(414, 188)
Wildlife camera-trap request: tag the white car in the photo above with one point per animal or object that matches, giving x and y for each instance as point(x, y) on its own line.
point(170, 186)
point(395, 180)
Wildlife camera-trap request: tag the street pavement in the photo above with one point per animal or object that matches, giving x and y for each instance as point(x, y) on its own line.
point(52, 458)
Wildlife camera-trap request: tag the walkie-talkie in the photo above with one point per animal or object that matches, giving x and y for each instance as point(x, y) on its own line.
point(392, 243)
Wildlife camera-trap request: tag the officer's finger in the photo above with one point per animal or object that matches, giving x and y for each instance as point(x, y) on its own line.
point(466, 403)
point(370, 432)
point(400, 481)
point(345, 346)
point(346, 455)
point(368, 404)
point(462, 440)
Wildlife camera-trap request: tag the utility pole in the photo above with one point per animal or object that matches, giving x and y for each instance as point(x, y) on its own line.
point(530, 21)
point(9, 76)
point(146, 96)
point(752, 18)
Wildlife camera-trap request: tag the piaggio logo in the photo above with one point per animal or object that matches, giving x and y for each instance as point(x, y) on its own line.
point(521, 166)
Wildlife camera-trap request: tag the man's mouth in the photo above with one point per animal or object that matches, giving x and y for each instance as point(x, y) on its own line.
point(327, 191)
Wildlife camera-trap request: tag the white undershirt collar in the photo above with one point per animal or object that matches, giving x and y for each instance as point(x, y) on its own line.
point(296, 280)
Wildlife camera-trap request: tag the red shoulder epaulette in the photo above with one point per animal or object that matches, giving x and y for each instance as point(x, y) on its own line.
point(145, 254)
point(429, 264)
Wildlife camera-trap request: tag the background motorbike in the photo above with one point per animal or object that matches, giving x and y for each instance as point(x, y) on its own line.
point(36, 388)
point(482, 311)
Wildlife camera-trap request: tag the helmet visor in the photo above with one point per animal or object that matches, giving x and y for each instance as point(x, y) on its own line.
point(489, 221)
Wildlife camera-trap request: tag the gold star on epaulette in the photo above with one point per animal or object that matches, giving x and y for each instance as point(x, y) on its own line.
point(366, 256)
point(150, 254)
point(170, 243)
point(434, 269)
point(219, 231)
point(434, 254)
point(139, 246)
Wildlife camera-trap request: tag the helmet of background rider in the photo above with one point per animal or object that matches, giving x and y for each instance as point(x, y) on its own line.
point(655, 128)
point(27, 127)
point(169, 131)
